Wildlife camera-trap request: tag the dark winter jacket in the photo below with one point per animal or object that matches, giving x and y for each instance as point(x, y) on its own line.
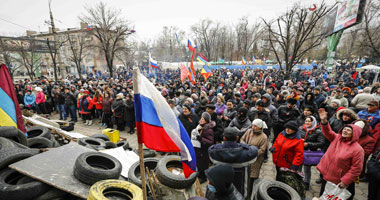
point(271, 108)
point(337, 122)
point(314, 137)
point(319, 99)
point(218, 129)
point(373, 166)
point(118, 108)
point(310, 103)
point(59, 98)
point(189, 122)
point(286, 114)
point(241, 126)
point(85, 105)
point(230, 114)
point(232, 152)
point(107, 103)
point(288, 150)
point(129, 114)
point(70, 99)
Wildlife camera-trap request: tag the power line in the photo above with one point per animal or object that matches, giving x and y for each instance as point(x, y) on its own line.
point(14, 23)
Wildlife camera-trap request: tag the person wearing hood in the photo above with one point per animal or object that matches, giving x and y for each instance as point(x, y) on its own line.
point(313, 140)
point(268, 104)
point(307, 111)
point(319, 98)
point(85, 106)
point(241, 121)
point(343, 117)
point(343, 161)
point(288, 148)
point(255, 136)
point(309, 102)
point(188, 119)
point(286, 113)
point(41, 101)
point(202, 138)
point(220, 186)
point(29, 100)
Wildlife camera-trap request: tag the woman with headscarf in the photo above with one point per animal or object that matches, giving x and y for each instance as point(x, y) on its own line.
point(255, 136)
point(220, 106)
point(107, 111)
point(85, 106)
point(202, 138)
point(343, 161)
point(313, 140)
point(188, 119)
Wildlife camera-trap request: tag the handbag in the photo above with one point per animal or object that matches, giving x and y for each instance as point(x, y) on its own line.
point(312, 157)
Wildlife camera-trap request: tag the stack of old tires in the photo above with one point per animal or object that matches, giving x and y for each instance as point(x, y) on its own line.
point(102, 171)
point(14, 146)
point(40, 137)
point(268, 190)
point(100, 142)
point(168, 171)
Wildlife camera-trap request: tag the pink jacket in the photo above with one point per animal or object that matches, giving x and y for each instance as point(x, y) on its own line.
point(40, 98)
point(343, 160)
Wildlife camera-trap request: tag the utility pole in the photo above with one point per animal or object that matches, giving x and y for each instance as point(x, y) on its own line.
point(58, 55)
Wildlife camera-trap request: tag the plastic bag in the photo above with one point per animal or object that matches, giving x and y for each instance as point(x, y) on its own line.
point(333, 192)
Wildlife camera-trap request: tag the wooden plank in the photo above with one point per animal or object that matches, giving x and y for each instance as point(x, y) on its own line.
point(55, 168)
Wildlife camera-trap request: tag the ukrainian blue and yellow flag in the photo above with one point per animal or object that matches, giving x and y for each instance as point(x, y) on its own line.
point(206, 72)
point(10, 113)
point(243, 61)
point(201, 58)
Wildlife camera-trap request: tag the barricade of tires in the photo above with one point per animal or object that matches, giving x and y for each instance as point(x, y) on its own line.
point(100, 141)
point(268, 189)
point(16, 146)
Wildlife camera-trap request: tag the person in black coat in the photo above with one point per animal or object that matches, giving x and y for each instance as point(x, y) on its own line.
point(219, 127)
point(373, 174)
point(129, 115)
point(309, 102)
point(313, 140)
point(188, 119)
point(286, 113)
point(260, 112)
point(118, 109)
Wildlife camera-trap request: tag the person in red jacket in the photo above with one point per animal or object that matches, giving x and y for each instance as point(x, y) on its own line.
point(97, 100)
point(288, 149)
point(343, 160)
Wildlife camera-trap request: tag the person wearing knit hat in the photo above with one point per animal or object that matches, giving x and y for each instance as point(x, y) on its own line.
point(371, 114)
point(288, 149)
point(255, 136)
point(241, 122)
point(221, 185)
point(202, 138)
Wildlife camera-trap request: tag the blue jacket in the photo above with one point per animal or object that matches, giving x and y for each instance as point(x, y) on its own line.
point(373, 118)
point(319, 99)
point(29, 99)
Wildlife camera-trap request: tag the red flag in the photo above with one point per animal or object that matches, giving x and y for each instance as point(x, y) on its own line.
point(10, 113)
point(184, 72)
point(192, 65)
point(354, 75)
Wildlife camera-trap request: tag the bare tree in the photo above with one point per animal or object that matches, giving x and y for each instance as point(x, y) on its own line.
point(77, 44)
point(246, 36)
point(54, 47)
point(7, 58)
point(128, 55)
point(28, 56)
point(371, 28)
point(109, 28)
point(295, 33)
point(206, 34)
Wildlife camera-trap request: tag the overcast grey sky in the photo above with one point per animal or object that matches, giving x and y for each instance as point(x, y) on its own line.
point(147, 16)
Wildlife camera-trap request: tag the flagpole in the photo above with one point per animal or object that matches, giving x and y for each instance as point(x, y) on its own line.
point(140, 144)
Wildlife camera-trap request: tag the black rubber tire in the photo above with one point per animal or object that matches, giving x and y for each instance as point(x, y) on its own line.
point(147, 153)
point(134, 170)
point(92, 143)
point(114, 189)
point(268, 189)
point(123, 144)
point(39, 142)
point(110, 145)
point(24, 180)
point(101, 136)
point(6, 144)
point(13, 133)
point(169, 179)
point(39, 131)
point(9, 156)
point(91, 167)
point(9, 189)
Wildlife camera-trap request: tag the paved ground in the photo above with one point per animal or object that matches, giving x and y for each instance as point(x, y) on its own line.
point(268, 170)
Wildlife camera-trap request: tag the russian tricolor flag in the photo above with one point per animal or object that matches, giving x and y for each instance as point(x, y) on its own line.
point(157, 126)
point(191, 45)
point(153, 63)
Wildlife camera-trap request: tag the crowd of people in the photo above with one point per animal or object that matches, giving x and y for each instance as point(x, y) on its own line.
point(334, 113)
